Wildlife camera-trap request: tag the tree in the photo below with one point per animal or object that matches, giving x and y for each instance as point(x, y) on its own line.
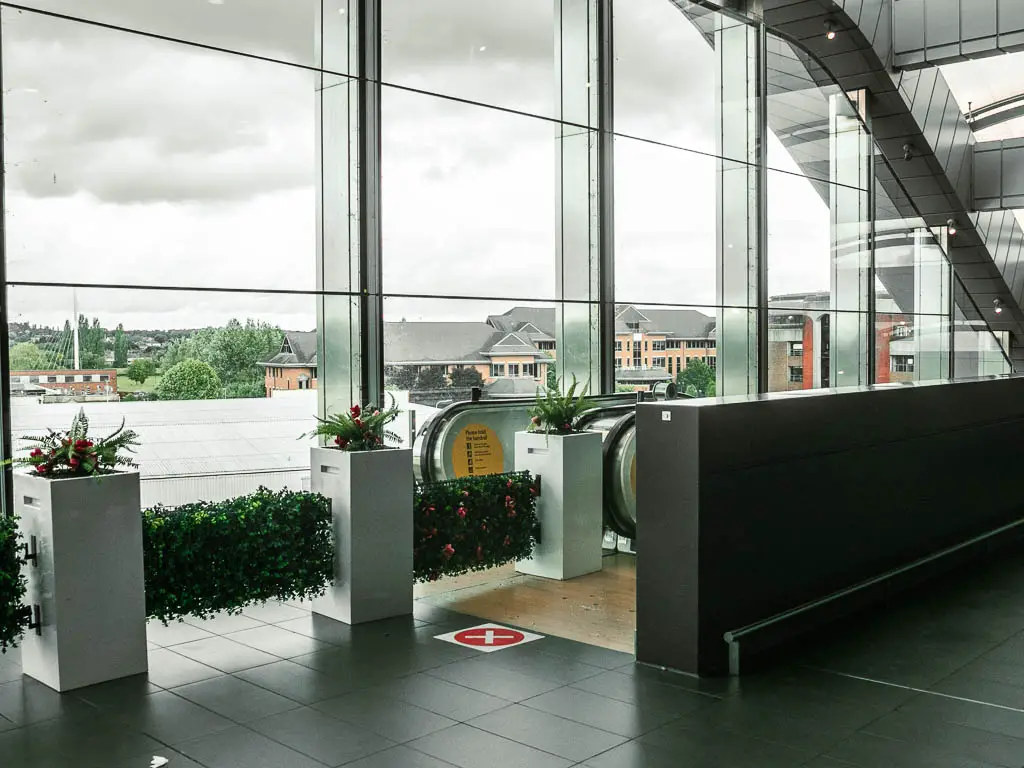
point(120, 347)
point(141, 369)
point(236, 352)
point(92, 343)
point(402, 376)
point(466, 378)
point(28, 357)
point(696, 379)
point(431, 379)
point(190, 380)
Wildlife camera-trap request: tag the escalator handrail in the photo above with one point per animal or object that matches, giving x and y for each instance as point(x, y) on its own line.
point(621, 525)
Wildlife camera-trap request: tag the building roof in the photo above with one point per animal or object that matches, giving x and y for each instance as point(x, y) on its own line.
point(430, 342)
point(297, 349)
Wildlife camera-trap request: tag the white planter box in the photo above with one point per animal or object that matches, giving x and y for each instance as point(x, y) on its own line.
point(88, 579)
point(569, 506)
point(371, 495)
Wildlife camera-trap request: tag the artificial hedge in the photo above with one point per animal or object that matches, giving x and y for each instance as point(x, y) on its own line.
point(14, 616)
point(474, 523)
point(207, 557)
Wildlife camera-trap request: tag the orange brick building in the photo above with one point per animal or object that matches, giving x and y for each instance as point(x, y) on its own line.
point(67, 382)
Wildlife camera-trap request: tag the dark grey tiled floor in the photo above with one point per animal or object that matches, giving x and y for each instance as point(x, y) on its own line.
point(936, 679)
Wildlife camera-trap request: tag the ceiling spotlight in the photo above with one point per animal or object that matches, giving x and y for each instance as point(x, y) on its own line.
point(951, 227)
point(908, 152)
point(830, 30)
point(998, 304)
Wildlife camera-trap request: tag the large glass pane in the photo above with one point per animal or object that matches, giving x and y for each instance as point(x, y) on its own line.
point(275, 29)
point(799, 239)
point(665, 72)
point(911, 348)
point(802, 343)
point(219, 386)
point(136, 161)
point(665, 236)
point(662, 344)
point(487, 51)
point(468, 199)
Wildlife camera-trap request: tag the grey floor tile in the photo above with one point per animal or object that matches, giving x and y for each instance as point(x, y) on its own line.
point(274, 612)
point(396, 720)
point(171, 718)
point(469, 747)
point(224, 654)
point(645, 693)
point(143, 759)
point(601, 712)
point(126, 693)
point(558, 669)
point(29, 747)
point(448, 699)
point(168, 669)
point(633, 754)
point(399, 757)
point(224, 622)
point(95, 742)
point(26, 701)
point(486, 678)
point(235, 699)
point(242, 748)
point(320, 628)
point(548, 733)
point(587, 654)
point(175, 633)
point(299, 683)
point(277, 641)
point(320, 736)
point(697, 745)
point(870, 751)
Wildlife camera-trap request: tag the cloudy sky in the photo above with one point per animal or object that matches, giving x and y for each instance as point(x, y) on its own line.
point(138, 161)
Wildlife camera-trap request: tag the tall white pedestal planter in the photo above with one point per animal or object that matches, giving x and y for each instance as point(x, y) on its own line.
point(371, 495)
point(88, 579)
point(569, 507)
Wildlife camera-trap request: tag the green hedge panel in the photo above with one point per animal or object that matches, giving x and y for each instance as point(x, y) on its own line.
point(474, 523)
point(208, 557)
point(14, 616)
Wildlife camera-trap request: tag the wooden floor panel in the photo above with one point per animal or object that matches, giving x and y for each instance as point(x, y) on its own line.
point(599, 609)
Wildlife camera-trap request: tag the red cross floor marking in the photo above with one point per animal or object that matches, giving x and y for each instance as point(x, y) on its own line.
point(489, 637)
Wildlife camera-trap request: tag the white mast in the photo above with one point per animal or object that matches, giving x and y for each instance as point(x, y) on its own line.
point(74, 328)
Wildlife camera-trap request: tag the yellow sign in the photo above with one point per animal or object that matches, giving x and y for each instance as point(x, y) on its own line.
point(632, 475)
point(477, 451)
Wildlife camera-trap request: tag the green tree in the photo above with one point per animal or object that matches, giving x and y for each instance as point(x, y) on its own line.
point(466, 378)
point(92, 343)
point(236, 352)
point(696, 379)
point(28, 357)
point(402, 376)
point(431, 379)
point(190, 380)
point(120, 347)
point(141, 369)
point(552, 379)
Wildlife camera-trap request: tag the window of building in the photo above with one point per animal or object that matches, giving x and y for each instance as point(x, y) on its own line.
point(69, 379)
point(513, 369)
point(314, 373)
point(33, 379)
point(104, 377)
point(87, 377)
point(645, 346)
point(497, 369)
point(658, 346)
point(670, 365)
point(901, 364)
point(51, 379)
point(530, 370)
point(796, 349)
point(711, 361)
point(618, 362)
point(796, 374)
point(658, 362)
point(545, 345)
point(618, 345)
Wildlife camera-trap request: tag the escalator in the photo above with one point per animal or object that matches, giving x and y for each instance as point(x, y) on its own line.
point(478, 438)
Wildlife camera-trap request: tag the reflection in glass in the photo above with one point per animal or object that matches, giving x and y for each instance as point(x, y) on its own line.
point(911, 348)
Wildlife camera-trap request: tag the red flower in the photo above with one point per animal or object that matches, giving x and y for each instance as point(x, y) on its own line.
point(42, 469)
point(36, 452)
point(479, 553)
point(511, 513)
point(508, 484)
point(448, 550)
point(73, 461)
point(536, 421)
point(358, 422)
point(355, 410)
point(462, 512)
point(568, 427)
point(507, 541)
point(465, 493)
point(483, 526)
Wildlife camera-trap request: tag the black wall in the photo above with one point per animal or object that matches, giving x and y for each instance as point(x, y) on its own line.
point(747, 507)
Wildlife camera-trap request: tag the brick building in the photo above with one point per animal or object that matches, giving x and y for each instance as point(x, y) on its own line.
point(65, 382)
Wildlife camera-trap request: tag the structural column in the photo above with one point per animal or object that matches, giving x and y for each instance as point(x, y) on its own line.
point(932, 321)
point(582, 254)
point(349, 315)
point(850, 174)
point(740, 188)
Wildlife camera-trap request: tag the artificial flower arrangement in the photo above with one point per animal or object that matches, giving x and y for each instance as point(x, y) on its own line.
point(72, 453)
point(361, 428)
point(557, 413)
